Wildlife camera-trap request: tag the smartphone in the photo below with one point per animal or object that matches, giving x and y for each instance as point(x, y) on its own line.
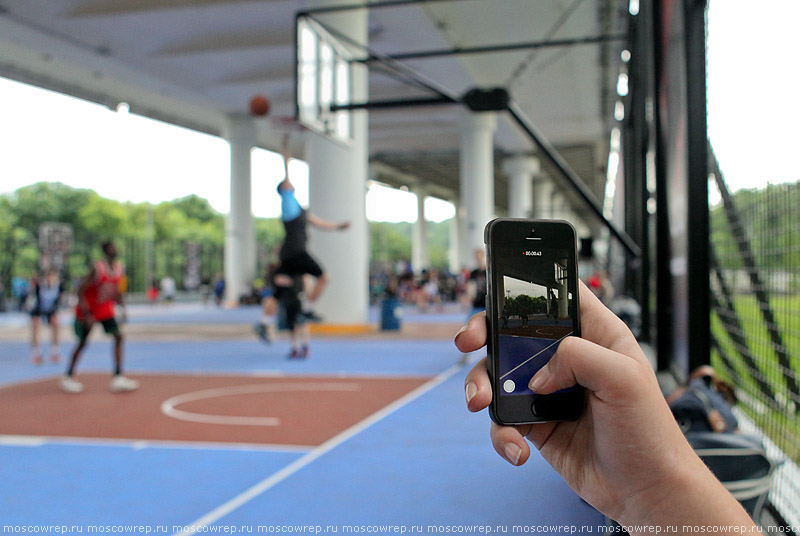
point(531, 306)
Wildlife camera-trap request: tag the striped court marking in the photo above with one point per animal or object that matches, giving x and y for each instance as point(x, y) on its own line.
point(256, 490)
point(168, 407)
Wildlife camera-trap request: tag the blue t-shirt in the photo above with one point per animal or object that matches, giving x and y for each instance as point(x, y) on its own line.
point(290, 207)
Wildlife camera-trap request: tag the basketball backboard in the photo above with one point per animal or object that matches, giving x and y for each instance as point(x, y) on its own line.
point(323, 79)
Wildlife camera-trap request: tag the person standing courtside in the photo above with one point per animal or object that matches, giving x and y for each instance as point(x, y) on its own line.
point(47, 299)
point(98, 294)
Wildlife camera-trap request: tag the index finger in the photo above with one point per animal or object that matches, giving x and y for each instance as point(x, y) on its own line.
point(473, 335)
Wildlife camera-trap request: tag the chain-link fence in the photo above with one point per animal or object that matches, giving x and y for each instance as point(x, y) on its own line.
point(755, 316)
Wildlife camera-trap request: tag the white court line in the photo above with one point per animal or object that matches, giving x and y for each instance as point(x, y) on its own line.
point(256, 490)
point(138, 444)
point(169, 406)
point(535, 355)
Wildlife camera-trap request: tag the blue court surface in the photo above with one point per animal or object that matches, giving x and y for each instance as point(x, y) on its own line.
point(521, 358)
point(421, 464)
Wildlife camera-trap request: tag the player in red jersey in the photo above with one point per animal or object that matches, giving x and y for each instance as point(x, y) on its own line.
point(98, 295)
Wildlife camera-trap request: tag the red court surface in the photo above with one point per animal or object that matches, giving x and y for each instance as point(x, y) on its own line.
point(271, 410)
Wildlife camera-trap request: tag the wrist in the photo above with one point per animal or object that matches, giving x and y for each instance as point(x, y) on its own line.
point(688, 495)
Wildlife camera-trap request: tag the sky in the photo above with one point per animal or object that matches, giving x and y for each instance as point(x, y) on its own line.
point(753, 83)
point(51, 137)
point(753, 114)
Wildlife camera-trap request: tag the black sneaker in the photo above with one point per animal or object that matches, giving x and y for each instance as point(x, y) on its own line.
point(311, 316)
point(261, 331)
point(299, 353)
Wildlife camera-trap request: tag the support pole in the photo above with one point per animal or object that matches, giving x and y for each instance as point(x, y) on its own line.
point(521, 171)
point(420, 259)
point(240, 243)
point(477, 178)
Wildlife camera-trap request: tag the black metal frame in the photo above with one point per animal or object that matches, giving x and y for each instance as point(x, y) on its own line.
point(697, 206)
point(445, 97)
point(637, 141)
point(696, 195)
point(759, 290)
point(488, 49)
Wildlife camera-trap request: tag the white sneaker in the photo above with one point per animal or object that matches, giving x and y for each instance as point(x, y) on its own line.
point(121, 384)
point(70, 385)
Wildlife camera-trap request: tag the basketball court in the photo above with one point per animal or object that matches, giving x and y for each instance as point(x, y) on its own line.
point(369, 434)
point(227, 434)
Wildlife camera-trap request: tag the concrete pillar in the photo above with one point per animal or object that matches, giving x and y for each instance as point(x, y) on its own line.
point(581, 228)
point(542, 198)
point(560, 206)
point(420, 259)
point(454, 259)
point(338, 175)
point(521, 170)
point(563, 301)
point(240, 242)
point(563, 292)
point(477, 178)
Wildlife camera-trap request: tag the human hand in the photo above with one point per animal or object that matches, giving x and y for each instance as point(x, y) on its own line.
point(344, 225)
point(625, 455)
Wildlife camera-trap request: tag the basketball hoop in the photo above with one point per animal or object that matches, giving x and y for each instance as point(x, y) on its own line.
point(55, 242)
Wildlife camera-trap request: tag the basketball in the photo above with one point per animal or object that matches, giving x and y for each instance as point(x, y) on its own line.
point(259, 105)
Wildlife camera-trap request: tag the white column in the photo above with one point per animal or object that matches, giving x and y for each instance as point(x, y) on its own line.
point(477, 178)
point(563, 301)
point(240, 243)
point(542, 198)
point(454, 260)
point(581, 228)
point(420, 258)
point(521, 170)
point(559, 206)
point(338, 175)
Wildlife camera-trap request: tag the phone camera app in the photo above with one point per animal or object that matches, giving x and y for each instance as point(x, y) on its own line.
point(533, 315)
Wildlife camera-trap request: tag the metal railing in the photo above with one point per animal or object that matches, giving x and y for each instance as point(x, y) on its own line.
point(755, 316)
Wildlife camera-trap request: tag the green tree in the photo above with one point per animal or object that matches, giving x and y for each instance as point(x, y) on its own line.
point(390, 242)
point(104, 219)
point(196, 208)
point(43, 202)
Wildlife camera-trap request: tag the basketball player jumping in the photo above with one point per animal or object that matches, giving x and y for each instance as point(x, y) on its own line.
point(295, 261)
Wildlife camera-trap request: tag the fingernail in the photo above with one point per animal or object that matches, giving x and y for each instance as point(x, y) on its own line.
point(512, 453)
point(471, 391)
point(460, 331)
point(539, 379)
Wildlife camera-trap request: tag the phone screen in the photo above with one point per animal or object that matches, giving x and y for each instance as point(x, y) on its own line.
point(535, 310)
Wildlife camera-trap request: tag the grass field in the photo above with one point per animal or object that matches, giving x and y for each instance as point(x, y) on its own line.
point(777, 417)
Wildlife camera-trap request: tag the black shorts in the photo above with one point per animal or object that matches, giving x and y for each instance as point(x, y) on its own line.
point(42, 313)
point(299, 264)
point(83, 328)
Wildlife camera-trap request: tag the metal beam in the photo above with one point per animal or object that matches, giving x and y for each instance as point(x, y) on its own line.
point(368, 5)
point(399, 103)
point(552, 43)
point(577, 184)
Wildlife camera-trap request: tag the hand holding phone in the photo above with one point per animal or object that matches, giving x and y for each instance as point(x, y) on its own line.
point(625, 455)
point(531, 306)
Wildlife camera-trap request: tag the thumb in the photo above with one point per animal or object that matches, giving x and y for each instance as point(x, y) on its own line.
point(581, 362)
